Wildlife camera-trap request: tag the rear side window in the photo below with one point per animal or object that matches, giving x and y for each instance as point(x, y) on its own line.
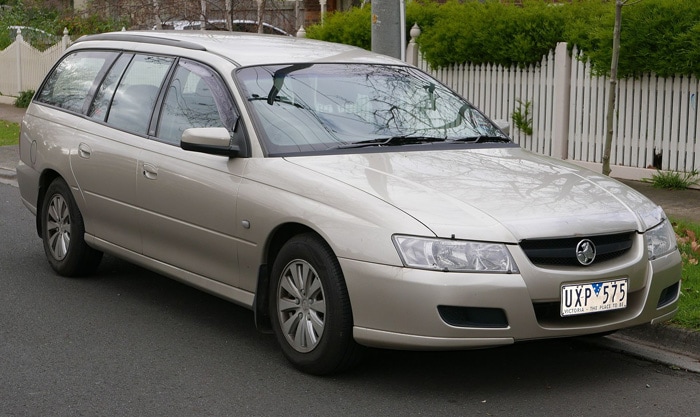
point(136, 95)
point(69, 84)
point(100, 104)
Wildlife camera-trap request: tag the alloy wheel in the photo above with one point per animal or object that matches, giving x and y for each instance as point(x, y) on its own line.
point(58, 227)
point(301, 305)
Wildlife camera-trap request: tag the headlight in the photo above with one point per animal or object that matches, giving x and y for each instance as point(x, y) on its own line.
point(454, 255)
point(661, 240)
point(652, 216)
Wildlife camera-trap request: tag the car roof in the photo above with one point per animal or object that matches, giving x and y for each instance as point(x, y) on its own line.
point(245, 49)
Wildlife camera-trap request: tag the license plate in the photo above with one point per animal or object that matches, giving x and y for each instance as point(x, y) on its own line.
point(593, 297)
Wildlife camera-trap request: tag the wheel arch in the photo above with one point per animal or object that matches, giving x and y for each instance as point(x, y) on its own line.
point(46, 178)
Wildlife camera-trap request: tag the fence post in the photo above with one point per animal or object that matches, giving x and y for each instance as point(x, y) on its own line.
point(412, 48)
point(18, 41)
point(561, 105)
point(65, 40)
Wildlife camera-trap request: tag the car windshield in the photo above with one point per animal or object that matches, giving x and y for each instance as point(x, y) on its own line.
point(304, 108)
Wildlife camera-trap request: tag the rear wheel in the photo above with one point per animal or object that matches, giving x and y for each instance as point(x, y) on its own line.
point(310, 309)
point(63, 233)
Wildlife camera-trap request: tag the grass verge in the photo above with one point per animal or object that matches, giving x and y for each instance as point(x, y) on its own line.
point(9, 133)
point(687, 234)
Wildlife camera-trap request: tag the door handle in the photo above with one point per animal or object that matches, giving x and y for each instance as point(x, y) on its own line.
point(84, 151)
point(150, 171)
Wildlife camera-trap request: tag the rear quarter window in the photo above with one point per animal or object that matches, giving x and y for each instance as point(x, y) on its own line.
point(137, 93)
point(68, 85)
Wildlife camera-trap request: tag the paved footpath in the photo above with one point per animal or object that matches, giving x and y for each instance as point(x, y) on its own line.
point(11, 113)
point(660, 343)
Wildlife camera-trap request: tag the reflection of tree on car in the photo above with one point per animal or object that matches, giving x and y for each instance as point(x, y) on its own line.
point(326, 106)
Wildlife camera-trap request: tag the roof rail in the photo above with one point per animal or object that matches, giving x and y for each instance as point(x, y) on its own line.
point(140, 38)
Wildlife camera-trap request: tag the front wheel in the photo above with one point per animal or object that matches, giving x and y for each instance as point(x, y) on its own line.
point(310, 308)
point(63, 233)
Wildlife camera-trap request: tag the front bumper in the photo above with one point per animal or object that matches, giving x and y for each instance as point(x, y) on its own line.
point(396, 307)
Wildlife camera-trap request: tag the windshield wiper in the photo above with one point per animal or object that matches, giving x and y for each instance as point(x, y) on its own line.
point(480, 139)
point(278, 80)
point(391, 141)
point(277, 99)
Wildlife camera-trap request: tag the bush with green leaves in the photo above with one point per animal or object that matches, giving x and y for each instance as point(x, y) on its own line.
point(522, 117)
point(353, 27)
point(658, 36)
point(80, 24)
point(674, 180)
point(52, 20)
point(492, 32)
point(38, 18)
point(24, 98)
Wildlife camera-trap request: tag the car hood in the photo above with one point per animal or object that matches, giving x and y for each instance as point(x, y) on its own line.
point(495, 194)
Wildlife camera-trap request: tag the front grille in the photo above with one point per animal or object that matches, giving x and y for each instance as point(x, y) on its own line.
point(563, 251)
point(486, 318)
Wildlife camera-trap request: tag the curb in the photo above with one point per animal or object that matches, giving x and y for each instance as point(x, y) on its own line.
point(7, 99)
point(667, 345)
point(9, 156)
point(670, 338)
point(8, 177)
point(654, 354)
point(8, 174)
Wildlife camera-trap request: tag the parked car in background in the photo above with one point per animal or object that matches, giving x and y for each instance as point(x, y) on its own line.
point(348, 199)
point(238, 25)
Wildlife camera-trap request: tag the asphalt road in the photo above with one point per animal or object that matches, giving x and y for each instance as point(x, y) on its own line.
point(128, 342)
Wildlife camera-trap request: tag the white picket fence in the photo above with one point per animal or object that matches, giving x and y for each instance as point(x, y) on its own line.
point(22, 67)
point(654, 115)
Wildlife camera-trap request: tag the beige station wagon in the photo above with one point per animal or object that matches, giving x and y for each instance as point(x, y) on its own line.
point(348, 199)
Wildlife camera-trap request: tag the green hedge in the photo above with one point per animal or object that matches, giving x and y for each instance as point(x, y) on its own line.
point(353, 27)
point(660, 36)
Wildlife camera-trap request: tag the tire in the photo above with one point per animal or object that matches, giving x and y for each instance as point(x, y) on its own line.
point(63, 233)
point(310, 309)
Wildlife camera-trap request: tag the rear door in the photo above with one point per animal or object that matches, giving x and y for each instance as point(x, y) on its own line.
point(106, 158)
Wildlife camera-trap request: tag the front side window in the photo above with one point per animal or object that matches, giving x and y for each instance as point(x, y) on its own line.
point(196, 97)
point(137, 93)
point(69, 85)
point(321, 107)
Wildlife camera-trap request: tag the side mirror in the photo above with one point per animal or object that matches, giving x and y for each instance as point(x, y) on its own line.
point(504, 125)
point(211, 140)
